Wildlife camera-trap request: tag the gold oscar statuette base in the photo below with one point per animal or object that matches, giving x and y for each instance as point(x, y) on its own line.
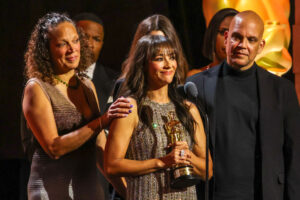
point(184, 176)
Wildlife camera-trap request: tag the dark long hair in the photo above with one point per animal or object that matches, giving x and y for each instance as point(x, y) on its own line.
point(210, 36)
point(38, 61)
point(136, 83)
point(158, 23)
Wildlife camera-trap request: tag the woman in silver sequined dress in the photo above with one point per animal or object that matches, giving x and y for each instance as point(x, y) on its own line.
point(138, 147)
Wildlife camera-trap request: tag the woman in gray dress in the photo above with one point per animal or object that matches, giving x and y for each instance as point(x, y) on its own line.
point(138, 147)
point(62, 112)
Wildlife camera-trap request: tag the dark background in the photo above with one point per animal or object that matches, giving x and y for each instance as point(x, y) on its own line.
point(120, 17)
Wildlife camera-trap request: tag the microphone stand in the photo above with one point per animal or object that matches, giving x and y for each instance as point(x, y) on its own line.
point(194, 97)
point(206, 129)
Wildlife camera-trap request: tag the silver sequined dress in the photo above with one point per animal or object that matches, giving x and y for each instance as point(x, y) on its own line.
point(147, 143)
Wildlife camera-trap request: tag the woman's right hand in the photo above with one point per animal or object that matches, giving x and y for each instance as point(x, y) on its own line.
point(179, 154)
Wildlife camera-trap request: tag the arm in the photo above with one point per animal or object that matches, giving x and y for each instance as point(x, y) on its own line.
point(38, 113)
point(197, 156)
point(119, 108)
point(115, 163)
point(118, 183)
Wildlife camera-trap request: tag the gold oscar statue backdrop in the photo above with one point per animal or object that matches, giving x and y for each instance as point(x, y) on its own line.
point(275, 14)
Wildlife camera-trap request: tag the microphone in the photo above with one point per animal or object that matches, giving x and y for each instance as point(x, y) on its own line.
point(191, 91)
point(188, 91)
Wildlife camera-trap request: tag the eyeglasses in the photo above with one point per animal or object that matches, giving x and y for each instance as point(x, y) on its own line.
point(222, 31)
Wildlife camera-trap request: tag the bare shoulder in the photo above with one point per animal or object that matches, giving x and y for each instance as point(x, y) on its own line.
point(33, 90)
point(193, 110)
point(132, 118)
point(122, 128)
point(35, 99)
point(31, 85)
point(191, 106)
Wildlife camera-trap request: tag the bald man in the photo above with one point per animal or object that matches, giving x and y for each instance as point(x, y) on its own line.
point(254, 121)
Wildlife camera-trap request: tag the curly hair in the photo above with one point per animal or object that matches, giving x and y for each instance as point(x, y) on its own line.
point(38, 61)
point(158, 23)
point(136, 83)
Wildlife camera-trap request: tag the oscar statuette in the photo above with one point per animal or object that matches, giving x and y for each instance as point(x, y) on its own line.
point(182, 175)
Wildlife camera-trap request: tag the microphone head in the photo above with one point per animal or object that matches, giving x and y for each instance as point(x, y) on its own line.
point(190, 89)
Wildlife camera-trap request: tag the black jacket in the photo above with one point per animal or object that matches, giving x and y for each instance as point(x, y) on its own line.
point(279, 128)
point(104, 79)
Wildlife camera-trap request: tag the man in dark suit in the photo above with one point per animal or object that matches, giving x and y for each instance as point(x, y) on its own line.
point(254, 121)
point(102, 77)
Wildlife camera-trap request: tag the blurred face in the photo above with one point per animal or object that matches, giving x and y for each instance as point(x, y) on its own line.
point(220, 51)
point(95, 34)
point(243, 42)
point(64, 47)
point(162, 68)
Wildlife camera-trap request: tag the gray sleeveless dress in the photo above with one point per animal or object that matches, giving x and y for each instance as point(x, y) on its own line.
point(151, 142)
point(74, 175)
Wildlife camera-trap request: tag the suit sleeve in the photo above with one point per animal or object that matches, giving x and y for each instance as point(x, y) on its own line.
point(292, 143)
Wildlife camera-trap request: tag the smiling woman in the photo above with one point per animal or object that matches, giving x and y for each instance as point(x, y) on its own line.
point(64, 47)
point(62, 113)
point(138, 146)
point(162, 68)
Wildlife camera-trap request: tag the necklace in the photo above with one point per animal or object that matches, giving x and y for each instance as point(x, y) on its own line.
point(74, 87)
